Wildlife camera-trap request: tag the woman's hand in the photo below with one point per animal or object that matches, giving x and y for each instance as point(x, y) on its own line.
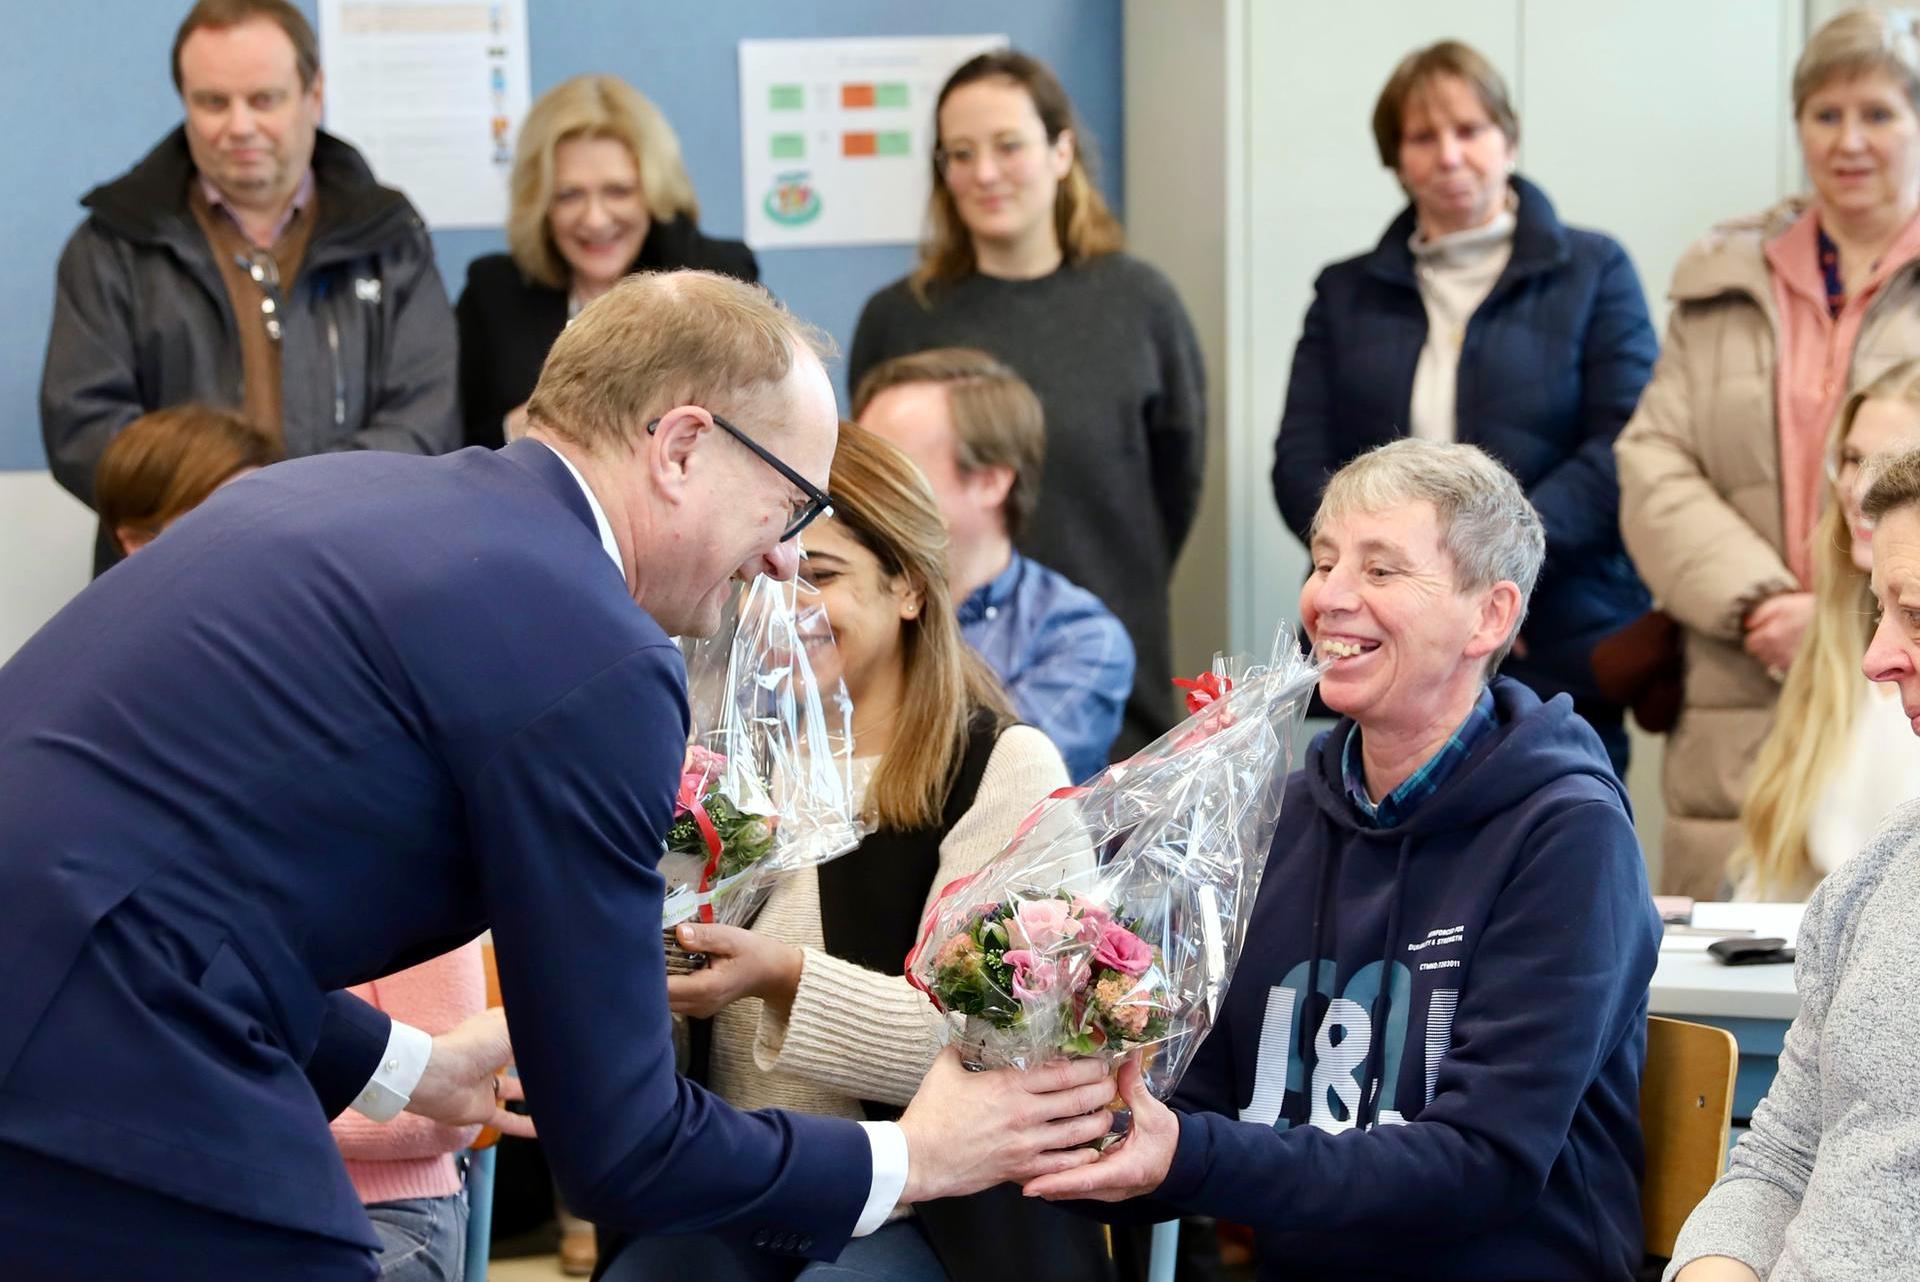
point(1716, 1268)
point(1132, 1168)
point(740, 964)
point(1775, 628)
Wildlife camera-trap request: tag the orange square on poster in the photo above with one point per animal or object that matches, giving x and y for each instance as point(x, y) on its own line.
point(859, 144)
point(856, 96)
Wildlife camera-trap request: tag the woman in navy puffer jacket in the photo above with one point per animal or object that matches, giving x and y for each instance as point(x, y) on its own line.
point(1479, 317)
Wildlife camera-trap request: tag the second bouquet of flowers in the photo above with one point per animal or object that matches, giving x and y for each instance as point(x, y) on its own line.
point(1111, 922)
point(766, 787)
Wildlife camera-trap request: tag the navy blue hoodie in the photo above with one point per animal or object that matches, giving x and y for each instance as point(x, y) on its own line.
point(1512, 908)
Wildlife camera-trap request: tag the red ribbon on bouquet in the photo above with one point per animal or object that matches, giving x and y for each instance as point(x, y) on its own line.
point(693, 784)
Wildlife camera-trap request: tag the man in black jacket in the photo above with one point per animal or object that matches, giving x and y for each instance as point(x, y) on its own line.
point(249, 260)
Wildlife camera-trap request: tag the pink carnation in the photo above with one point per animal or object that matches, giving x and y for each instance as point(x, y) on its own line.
point(1041, 923)
point(1111, 995)
point(956, 951)
point(1122, 950)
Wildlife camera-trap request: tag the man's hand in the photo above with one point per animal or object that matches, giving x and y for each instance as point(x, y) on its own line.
point(970, 1131)
point(1774, 629)
point(740, 964)
point(462, 1085)
point(1133, 1168)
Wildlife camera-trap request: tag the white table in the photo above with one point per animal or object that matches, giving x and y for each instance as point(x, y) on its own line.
point(1692, 985)
point(1754, 1003)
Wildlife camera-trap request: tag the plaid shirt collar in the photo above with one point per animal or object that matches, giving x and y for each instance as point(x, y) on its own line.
point(1422, 783)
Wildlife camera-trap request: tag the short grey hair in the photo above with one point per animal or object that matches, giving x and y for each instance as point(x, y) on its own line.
point(1486, 523)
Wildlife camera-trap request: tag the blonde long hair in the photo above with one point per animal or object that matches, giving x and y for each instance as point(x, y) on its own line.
point(1813, 721)
point(882, 500)
point(1085, 226)
point(588, 107)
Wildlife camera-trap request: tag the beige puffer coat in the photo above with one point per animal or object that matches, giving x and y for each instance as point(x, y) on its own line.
point(1700, 512)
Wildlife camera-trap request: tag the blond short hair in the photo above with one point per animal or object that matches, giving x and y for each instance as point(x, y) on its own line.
point(997, 418)
point(1860, 42)
point(588, 107)
point(661, 339)
point(1415, 75)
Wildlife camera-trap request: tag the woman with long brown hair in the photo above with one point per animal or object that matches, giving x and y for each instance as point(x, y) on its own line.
point(1023, 259)
point(1841, 754)
point(810, 1007)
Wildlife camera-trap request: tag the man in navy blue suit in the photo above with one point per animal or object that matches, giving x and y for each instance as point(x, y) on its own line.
point(351, 712)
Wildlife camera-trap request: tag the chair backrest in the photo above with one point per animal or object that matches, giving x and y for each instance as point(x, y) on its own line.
point(1686, 1108)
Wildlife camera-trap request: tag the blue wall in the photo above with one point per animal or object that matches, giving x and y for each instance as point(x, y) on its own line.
point(88, 93)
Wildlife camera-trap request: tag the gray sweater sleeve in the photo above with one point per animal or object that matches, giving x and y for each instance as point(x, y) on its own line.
point(1838, 1096)
point(1745, 1214)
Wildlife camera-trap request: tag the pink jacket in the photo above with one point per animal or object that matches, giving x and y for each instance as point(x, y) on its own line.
point(411, 1156)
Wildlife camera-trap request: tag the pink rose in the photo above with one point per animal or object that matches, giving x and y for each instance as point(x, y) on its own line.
point(1032, 977)
point(1093, 919)
point(1041, 923)
point(1122, 950)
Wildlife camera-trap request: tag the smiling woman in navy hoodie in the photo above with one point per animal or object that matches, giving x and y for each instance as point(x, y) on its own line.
point(1477, 1114)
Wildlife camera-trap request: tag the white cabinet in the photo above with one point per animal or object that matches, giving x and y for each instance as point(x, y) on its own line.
point(1249, 130)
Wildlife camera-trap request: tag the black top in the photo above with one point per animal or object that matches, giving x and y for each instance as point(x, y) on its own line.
point(507, 322)
point(1108, 349)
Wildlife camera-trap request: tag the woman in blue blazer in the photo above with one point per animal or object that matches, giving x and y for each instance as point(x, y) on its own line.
point(1480, 317)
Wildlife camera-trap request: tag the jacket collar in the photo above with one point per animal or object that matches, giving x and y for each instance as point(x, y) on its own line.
point(148, 203)
point(1731, 258)
point(552, 474)
point(1539, 241)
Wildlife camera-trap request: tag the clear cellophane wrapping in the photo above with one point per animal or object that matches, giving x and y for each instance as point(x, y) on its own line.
point(767, 787)
point(1111, 922)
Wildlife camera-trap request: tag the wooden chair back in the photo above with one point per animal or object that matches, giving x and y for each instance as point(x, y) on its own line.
point(1686, 1110)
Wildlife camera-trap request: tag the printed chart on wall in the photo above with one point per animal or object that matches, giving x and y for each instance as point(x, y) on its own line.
point(836, 135)
point(432, 92)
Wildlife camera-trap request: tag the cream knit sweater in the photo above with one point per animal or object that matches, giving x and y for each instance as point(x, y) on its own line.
point(855, 1033)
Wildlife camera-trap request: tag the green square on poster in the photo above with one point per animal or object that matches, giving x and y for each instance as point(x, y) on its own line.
point(789, 146)
point(786, 98)
point(897, 142)
point(890, 95)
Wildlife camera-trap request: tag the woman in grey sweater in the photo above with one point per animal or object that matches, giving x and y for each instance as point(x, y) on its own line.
point(1826, 1185)
point(1024, 259)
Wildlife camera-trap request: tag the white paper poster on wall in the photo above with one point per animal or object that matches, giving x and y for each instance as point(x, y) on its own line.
point(432, 92)
point(836, 135)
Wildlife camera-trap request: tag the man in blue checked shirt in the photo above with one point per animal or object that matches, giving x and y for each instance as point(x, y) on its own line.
point(977, 430)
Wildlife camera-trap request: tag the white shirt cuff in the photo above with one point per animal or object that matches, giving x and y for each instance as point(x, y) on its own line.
point(408, 1050)
point(889, 1174)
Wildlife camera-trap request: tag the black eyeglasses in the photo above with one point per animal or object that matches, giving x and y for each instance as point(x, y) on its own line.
point(265, 272)
point(803, 512)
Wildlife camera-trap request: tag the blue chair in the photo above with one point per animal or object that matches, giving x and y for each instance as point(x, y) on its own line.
point(480, 1212)
point(1166, 1244)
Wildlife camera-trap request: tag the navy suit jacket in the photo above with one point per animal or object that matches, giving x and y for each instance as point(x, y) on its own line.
point(1551, 368)
point(351, 712)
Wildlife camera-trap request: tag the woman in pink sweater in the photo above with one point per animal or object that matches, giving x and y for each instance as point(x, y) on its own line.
point(404, 1169)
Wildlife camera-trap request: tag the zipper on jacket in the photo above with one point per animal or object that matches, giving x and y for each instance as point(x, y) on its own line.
point(339, 380)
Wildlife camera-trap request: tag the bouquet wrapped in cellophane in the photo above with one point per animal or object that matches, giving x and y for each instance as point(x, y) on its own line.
point(1111, 922)
point(766, 787)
